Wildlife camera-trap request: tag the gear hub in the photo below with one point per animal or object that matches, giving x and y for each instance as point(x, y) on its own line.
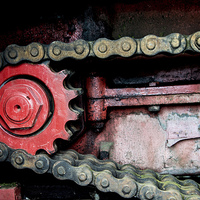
point(34, 107)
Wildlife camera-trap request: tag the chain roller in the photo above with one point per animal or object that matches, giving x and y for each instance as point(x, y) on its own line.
point(127, 181)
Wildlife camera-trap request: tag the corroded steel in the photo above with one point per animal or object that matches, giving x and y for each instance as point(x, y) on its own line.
point(107, 176)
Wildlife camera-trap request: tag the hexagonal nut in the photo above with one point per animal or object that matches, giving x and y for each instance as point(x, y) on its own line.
point(20, 106)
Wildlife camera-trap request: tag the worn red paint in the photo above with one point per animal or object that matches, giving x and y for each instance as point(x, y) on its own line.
point(53, 124)
point(101, 97)
point(24, 105)
point(10, 193)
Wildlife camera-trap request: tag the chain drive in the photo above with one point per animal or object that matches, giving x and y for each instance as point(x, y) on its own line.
point(107, 176)
point(149, 45)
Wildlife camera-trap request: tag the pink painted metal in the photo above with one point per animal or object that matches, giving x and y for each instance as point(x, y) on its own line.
point(10, 193)
point(166, 140)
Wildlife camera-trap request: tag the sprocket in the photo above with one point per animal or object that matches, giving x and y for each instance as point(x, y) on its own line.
point(34, 107)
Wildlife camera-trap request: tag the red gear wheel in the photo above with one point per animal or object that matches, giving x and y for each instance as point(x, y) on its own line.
point(34, 107)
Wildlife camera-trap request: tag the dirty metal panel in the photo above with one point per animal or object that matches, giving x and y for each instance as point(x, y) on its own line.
point(163, 142)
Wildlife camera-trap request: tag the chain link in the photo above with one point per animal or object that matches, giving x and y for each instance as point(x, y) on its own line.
point(107, 176)
point(149, 45)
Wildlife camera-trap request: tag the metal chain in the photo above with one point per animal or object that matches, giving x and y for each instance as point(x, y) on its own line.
point(107, 176)
point(149, 45)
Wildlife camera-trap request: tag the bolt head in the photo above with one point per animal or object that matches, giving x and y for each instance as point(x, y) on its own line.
point(19, 106)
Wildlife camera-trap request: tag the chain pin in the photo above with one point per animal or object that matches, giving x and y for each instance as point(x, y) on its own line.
point(175, 42)
point(19, 160)
point(12, 54)
point(151, 44)
point(82, 177)
point(34, 52)
point(102, 48)
point(39, 164)
point(61, 171)
point(56, 51)
point(126, 46)
point(126, 189)
point(104, 183)
point(79, 49)
point(149, 194)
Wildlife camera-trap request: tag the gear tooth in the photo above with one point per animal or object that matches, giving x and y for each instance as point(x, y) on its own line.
point(74, 115)
point(64, 116)
point(50, 147)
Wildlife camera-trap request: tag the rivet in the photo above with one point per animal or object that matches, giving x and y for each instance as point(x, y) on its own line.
point(149, 194)
point(126, 189)
point(61, 170)
point(39, 164)
point(151, 44)
point(34, 52)
point(154, 108)
point(102, 48)
point(19, 160)
point(175, 42)
point(82, 177)
point(104, 183)
point(79, 49)
point(56, 51)
point(126, 46)
point(12, 54)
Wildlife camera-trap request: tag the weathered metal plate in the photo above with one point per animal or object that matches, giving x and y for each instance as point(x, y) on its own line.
point(163, 142)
